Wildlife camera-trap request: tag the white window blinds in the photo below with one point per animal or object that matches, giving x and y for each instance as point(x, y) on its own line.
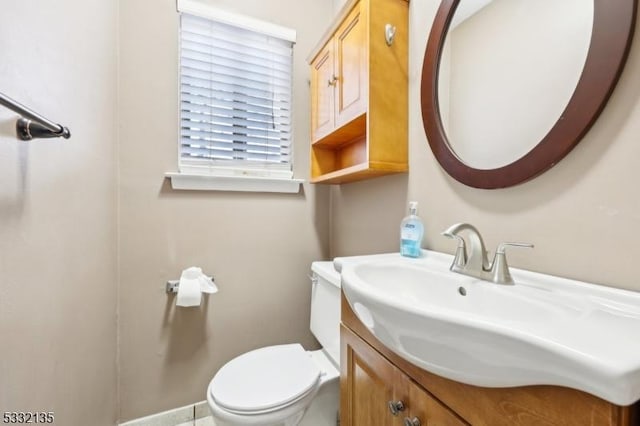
point(235, 99)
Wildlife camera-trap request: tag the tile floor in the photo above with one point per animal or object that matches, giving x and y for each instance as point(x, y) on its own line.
point(204, 421)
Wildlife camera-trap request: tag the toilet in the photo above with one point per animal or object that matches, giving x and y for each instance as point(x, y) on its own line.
point(286, 385)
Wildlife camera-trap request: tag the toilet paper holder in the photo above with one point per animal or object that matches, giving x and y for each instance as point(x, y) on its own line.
point(172, 286)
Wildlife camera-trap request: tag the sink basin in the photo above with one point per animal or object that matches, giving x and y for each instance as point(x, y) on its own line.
point(543, 330)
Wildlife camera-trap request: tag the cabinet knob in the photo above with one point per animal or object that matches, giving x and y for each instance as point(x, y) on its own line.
point(389, 34)
point(411, 422)
point(395, 407)
point(332, 81)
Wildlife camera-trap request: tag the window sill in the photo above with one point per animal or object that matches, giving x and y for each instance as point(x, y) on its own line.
point(194, 182)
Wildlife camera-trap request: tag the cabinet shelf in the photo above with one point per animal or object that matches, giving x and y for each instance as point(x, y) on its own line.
point(349, 162)
point(359, 172)
point(344, 135)
point(359, 94)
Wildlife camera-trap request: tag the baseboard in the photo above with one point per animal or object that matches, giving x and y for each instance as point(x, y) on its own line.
point(176, 416)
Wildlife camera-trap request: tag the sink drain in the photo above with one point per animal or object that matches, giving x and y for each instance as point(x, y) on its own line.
point(462, 291)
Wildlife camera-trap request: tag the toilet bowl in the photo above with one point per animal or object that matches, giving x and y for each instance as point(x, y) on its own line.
point(285, 385)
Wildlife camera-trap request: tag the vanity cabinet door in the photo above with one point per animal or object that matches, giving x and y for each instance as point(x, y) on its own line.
point(428, 410)
point(367, 385)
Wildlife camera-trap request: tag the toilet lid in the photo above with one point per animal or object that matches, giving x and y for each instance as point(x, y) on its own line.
point(265, 379)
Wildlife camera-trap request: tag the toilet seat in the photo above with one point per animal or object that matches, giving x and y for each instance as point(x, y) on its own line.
point(265, 380)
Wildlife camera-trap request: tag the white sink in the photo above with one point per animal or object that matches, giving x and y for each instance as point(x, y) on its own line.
point(541, 330)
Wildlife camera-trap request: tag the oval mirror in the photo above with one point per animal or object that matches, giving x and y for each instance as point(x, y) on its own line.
point(509, 87)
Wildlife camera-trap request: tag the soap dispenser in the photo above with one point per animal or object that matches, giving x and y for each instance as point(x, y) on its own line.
point(411, 231)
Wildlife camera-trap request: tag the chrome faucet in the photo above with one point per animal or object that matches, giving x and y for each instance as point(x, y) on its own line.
point(476, 264)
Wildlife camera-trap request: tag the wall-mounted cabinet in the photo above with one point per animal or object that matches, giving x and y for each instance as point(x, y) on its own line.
point(359, 99)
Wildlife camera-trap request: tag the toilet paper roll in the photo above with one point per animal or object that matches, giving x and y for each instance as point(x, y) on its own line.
point(189, 289)
point(207, 285)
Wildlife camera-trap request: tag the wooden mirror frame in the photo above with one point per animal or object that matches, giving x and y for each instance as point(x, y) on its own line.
point(613, 26)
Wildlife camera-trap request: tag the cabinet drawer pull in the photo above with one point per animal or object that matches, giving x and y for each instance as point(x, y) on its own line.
point(332, 81)
point(396, 407)
point(411, 422)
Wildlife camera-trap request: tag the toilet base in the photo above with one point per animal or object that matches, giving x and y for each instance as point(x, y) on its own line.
point(324, 408)
point(291, 422)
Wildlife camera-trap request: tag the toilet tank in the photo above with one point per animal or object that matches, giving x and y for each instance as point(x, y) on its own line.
point(325, 308)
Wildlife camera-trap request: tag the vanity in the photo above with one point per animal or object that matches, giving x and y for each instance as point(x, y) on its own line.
point(421, 345)
point(372, 377)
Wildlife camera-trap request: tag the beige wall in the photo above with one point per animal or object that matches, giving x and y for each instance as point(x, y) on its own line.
point(337, 5)
point(583, 215)
point(259, 247)
point(57, 212)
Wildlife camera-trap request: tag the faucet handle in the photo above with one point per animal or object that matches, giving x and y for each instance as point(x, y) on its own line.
point(460, 258)
point(499, 268)
point(503, 246)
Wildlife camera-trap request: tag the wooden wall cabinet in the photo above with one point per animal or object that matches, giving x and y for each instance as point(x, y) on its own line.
point(372, 376)
point(359, 100)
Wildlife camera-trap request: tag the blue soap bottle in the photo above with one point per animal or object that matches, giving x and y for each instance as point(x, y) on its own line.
point(411, 231)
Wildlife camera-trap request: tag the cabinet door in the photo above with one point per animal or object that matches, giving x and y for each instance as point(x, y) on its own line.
point(428, 410)
point(351, 66)
point(322, 93)
point(366, 385)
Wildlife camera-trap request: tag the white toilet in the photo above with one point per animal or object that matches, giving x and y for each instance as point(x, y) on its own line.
point(285, 385)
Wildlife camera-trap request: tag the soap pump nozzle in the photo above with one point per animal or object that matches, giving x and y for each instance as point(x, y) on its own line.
point(413, 208)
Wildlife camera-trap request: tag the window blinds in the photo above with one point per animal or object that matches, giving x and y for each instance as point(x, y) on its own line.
point(235, 96)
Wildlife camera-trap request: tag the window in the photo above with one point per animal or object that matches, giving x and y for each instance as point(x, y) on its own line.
point(235, 94)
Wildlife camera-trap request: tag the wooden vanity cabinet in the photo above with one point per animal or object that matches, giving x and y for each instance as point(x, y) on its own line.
point(371, 383)
point(359, 94)
point(372, 376)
